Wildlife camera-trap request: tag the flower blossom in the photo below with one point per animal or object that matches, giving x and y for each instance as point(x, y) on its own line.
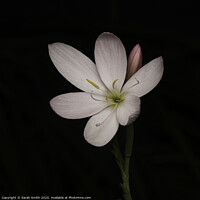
point(111, 88)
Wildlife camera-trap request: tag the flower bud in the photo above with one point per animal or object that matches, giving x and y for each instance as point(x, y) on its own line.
point(134, 61)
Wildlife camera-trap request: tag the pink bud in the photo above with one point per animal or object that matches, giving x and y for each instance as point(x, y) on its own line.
point(134, 61)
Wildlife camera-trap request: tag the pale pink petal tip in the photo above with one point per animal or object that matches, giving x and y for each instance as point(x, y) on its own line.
point(134, 61)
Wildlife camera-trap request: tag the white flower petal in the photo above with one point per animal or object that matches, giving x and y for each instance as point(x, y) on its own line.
point(111, 61)
point(146, 78)
point(75, 67)
point(128, 110)
point(101, 128)
point(77, 105)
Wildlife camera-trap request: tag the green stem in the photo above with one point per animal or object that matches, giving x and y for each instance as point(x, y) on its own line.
point(123, 163)
point(128, 153)
point(128, 147)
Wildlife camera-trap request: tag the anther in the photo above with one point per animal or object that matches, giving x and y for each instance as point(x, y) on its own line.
point(98, 124)
point(95, 85)
point(113, 85)
point(92, 83)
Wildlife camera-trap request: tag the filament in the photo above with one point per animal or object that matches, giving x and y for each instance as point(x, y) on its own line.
point(99, 124)
point(137, 82)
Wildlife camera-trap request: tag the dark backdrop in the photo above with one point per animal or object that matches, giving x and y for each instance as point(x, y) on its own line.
point(44, 154)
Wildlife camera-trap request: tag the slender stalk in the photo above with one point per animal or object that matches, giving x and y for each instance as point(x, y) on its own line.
point(124, 163)
point(128, 147)
point(127, 156)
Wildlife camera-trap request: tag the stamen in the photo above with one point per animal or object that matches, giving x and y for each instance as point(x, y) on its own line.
point(95, 98)
point(99, 124)
point(115, 91)
point(95, 85)
point(137, 81)
point(92, 83)
point(106, 100)
point(134, 84)
point(114, 83)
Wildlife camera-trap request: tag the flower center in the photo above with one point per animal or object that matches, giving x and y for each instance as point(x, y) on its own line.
point(117, 99)
point(113, 97)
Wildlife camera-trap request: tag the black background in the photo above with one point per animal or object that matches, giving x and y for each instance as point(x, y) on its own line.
point(44, 154)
